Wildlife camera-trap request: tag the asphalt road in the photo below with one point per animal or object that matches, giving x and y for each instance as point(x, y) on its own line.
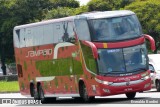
point(99, 101)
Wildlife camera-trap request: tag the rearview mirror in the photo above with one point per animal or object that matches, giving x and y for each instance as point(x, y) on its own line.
point(151, 40)
point(151, 68)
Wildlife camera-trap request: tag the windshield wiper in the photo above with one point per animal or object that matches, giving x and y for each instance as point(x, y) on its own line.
point(112, 72)
point(138, 69)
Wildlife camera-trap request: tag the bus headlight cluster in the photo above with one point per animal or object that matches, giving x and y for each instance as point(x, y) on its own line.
point(103, 82)
point(146, 77)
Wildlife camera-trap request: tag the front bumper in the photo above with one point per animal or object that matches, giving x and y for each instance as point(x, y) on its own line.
point(124, 87)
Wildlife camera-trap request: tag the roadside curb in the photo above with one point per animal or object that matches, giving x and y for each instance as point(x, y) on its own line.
point(9, 92)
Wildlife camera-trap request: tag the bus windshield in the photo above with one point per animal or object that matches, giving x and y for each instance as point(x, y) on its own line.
point(123, 60)
point(115, 29)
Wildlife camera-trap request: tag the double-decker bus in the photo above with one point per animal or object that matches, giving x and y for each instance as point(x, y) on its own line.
point(88, 55)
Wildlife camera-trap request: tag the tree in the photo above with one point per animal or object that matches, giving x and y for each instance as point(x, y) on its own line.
point(60, 12)
point(64, 3)
point(27, 11)
point(149, 16)
point(99, 5)
point(16, 12)
point(118, 4)
point(106, 5)
point(81, 10)
point(63, 8)
point(65, 11)
point(4, 15)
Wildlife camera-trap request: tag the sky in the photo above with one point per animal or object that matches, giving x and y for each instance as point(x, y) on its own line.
point(83, 2)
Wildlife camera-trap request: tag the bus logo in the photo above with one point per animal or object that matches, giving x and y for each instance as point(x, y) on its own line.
point(43, 52)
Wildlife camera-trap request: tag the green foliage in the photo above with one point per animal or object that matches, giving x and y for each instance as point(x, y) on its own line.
point(117, 4)
point(64, 3)
point(81, 10)
point(105, 5)
point(59, 12)
point(16, 12)
point(99, 5)
point(149, 16)
point(30, 10)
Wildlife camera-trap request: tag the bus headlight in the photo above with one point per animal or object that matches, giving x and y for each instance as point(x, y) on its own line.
point(103, 82)
point(146, 77)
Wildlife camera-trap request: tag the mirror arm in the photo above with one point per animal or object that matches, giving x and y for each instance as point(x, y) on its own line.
point(151, 40)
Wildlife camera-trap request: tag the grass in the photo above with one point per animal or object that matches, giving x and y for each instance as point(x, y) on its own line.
point(9, 86)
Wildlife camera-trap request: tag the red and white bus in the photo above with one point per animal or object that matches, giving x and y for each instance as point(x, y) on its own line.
point(88, 55)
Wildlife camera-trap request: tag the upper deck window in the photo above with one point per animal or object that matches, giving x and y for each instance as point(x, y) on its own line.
point(82, 29)
point(115, 29)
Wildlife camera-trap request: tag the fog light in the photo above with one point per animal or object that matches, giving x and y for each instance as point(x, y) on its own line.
point(106, 90)
point(147, 85)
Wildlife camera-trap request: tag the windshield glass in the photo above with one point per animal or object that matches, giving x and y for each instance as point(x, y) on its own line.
point(114, 29)
point(122, 60)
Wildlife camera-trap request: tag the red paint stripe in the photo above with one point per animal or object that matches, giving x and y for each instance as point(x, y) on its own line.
point(121, 44)
point(93, 47)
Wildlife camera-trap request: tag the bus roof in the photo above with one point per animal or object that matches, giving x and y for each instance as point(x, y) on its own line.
point(89, 15)
point(106, 14)
point(44, 22)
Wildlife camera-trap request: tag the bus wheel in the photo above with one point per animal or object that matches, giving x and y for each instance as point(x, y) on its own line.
point(41, 94)
point(131, 95)
point(84, 94)
point(32, 90)
point(158, 86)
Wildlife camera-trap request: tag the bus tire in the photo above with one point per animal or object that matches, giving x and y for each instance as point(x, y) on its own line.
point(41, 96)
point(131, 95)
point(84, 94)
point(36, 96)
point(158, 85)
point(32, 90)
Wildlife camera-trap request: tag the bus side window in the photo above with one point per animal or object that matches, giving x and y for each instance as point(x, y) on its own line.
point(48, 37)
point(29, 36)
point(22, 38)
point(71, 33)
point(35, 38)
point(57, 32)
point(82, 29)
point(17, 38)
